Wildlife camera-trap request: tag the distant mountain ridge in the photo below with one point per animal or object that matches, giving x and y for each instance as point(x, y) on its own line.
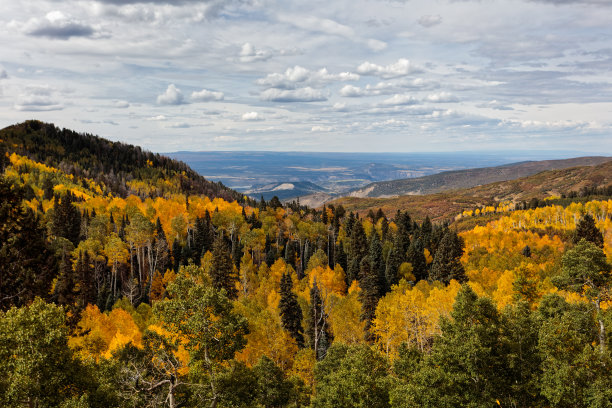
point(460, 179)
point(447, 204)
point(284, 190)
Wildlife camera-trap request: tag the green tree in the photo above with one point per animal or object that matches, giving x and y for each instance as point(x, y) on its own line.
point(204, 317)
point(352, 376)
point(290, 310)
point(416, 256)
point(586, 271)
point(222, 273)
point(586, 229)
point(37, 369)
point(358, 249)
point(27, 265)
point(447, 260)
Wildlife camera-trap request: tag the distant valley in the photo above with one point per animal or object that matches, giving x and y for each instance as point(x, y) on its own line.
point(319, 177)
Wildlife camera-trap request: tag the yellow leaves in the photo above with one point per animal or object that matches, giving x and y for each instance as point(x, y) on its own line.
point(329, 280)
point(345, 317)
point(102, 334)
point(428, 257)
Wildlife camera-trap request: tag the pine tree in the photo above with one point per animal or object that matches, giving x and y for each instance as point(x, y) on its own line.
point(377, 264)
point(369, 296)
point(222, 272)
point(587, 229)
point(357, 251)
point(85, 276)
point(416, 257)
point(447, 261)
point(66, 219)
point(290, 310)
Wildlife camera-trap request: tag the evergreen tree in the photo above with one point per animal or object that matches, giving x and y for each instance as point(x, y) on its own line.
point(447, 264)
point(222, 273)
point(27, 264)
point(66, 219)
point(586, 229)
point(369, 296)
point(290, 310)
point(357, 252)
point(526, 252)
point(377, 264)
point(416, 257)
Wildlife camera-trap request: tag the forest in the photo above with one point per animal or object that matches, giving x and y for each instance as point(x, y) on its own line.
point(127, 280)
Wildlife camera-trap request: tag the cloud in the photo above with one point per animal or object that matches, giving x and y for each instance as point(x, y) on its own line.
point(340, 107)
point(299, 77)
point(37, 103)
point(57, 25)
point(157, 118)
point(319, 128)
point(206, 96)
point(402, 67)
point(248, 53)
point(352, 91)
point(376, 45)
point(307, 94)
point(563, 2)
point(178, 125)
point(251, 116)
point(429, 20)
point(3, 74)
point(172, 96)
point(317, 24)
point(442, 97)
point(121, 104)
point(398, 99)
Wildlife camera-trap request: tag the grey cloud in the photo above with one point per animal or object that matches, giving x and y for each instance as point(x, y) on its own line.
point(429, 20)
point(3, 74)
point(563, 2)
point(37, 103)
point(63, 32)
point(307, 94)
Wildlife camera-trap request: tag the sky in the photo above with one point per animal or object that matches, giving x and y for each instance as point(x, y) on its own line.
point(333, 75)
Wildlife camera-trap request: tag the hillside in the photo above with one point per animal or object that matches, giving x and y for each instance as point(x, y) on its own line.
point(120, 168)
point(284, 190)
point(450, 203)
point(459, 179)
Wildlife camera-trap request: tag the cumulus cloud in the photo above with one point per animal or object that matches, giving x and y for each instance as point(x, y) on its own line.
point(299, 77)
point(157, 118)
point(352, 91)
point(251, 116)
point(441, 97)
point(172, 96)
point(307, 94)
point(399, 99)
point(206, 96)
point(37, 103)
point(400, 68)
point(429, 20)
point(340, 107)
point(57, 25)
point(248, 53)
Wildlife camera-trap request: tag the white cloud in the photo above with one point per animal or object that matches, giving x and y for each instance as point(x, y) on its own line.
point(251, 116)
point(307, 94)
point(3, 74)
point(352, 91)
point(376, 45)
point(399, 99)
point(205, 96)
point(442, 97)
point(248, 53)
point(320, 128)
point(299, 77)
point(178, 125)
point(172, 96)
point(157, 118)
point(340, 107)
point(429, 20)
point(400, 68)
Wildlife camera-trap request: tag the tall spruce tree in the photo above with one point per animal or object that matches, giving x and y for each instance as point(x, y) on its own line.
point(416, 257)
point(369, 296)
point(290, 310)
point(586, 229)
point(377, 264)
point(447, 261)
point(222, 272)
point(357, 252)
point(66, 219)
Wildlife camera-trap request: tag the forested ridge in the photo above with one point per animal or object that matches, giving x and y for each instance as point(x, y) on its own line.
point(119, 168)
point(153, 294)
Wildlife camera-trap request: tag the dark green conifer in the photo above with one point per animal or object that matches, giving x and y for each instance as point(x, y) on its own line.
point(587, 229)
point(290, 310)
point(447, 261)
point(222, 272)
point(416, 257)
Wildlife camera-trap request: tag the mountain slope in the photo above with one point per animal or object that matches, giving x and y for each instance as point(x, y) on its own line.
point(450, 180)
point(122, 168)
point(450, 203)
